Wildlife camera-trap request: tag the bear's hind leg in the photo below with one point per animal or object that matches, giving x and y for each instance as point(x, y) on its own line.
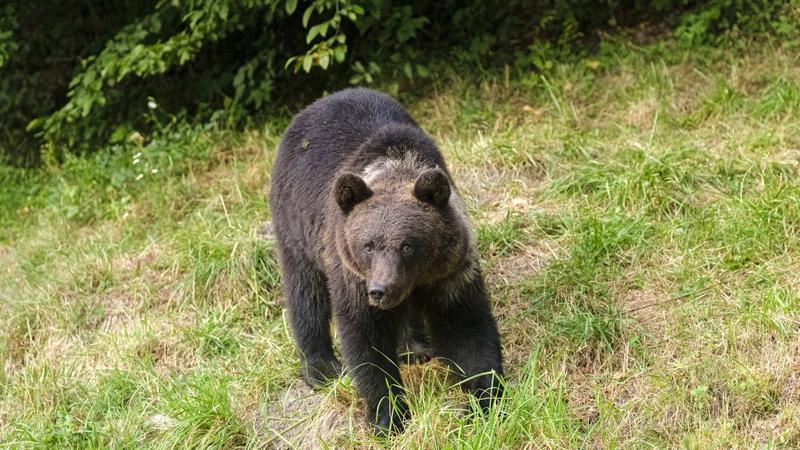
point(310, 316)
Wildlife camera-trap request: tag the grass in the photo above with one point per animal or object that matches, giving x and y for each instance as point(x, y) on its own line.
point(639, 221)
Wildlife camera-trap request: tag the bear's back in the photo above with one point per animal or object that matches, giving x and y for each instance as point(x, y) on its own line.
point(323, 136)
point(341, 122)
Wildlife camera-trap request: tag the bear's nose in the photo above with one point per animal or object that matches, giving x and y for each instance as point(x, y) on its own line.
point(377, 291)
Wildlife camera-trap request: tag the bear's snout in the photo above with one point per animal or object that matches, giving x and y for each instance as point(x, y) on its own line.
point(376, 292)
point(385, 296)
point(386, 285)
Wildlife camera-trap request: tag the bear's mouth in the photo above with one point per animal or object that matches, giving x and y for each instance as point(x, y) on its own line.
point(387, 298)
point(386, 302)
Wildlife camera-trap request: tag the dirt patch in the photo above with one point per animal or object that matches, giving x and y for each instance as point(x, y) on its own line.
point(302, 418)
point(140, 280)
point(118, 309)
point(497, 189)
point(136, 262)
point(165, 350)
point(522, 264)
point(641, 115)
point(647, 307)
point(61, 347)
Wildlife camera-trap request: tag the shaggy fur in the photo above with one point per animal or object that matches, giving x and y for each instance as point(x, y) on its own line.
point(371, 230)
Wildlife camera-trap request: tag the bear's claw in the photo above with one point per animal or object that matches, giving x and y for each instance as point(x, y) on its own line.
point(415, 349)
point(417, 354)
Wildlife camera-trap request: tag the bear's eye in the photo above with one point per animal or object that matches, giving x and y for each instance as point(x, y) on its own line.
point(406, 249)
point(368, 248)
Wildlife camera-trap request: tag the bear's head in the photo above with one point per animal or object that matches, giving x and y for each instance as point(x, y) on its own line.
point(400, 233)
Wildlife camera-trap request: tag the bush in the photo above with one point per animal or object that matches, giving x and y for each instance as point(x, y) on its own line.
point(78, 75)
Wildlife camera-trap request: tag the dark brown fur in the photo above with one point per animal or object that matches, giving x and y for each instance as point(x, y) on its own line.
point(371, 229)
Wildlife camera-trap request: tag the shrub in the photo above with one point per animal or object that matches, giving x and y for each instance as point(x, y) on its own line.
point(77, 75)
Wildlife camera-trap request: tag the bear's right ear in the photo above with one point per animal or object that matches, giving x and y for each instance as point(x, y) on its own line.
point(349, 191)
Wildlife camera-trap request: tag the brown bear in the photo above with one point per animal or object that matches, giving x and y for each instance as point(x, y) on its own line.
point(370, 229)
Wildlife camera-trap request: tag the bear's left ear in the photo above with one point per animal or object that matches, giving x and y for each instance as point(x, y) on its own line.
point(433, 187)
point(349, 191)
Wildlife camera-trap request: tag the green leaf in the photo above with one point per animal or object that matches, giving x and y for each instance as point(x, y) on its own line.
point(308, 60)
point(324, 59)
point(291, 5)
point(339, 53)
point(408, 71)
point(239, 78)
point(120, 133)
point(423, 71)
point(307, 16)
point(312, 33)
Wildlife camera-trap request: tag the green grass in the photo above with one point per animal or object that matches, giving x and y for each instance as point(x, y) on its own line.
point(638, 219)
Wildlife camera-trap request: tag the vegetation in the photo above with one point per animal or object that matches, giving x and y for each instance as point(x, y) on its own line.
point(637, 206)
point(75, 76)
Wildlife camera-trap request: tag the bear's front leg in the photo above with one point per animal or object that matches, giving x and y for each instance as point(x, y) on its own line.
point(465, 334)
point(368, 338)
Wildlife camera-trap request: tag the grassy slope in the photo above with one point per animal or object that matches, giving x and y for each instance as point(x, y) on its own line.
point(639, 228)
